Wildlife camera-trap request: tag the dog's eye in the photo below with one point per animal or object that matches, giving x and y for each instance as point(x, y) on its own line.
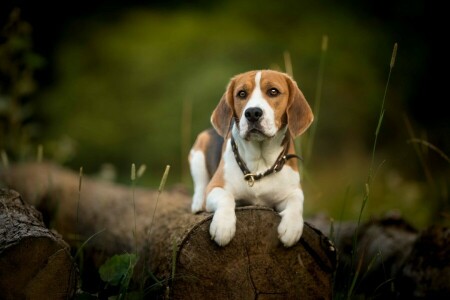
point(273, 92)
point(242, 94)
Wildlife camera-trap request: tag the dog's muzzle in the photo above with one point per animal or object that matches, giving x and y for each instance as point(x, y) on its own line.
point(254, 129)
point(253, 114)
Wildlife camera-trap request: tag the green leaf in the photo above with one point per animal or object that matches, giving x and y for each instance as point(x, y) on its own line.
point(118, 268)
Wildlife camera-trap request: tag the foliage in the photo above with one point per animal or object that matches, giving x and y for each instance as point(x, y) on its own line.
point(121, 85)
point(138, 84)
point(18, 63)
point(117, 271)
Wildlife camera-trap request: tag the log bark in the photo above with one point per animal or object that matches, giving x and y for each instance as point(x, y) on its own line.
point(393, 259)
point(426, 271)
point(35, 263)
point(176, 245)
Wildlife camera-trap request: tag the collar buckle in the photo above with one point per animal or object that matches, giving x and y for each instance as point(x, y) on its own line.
point(250, 178)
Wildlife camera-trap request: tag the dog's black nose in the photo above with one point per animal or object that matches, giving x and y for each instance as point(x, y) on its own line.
point(253, 114)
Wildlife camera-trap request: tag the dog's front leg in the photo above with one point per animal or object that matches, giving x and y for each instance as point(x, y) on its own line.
point(223, 225)
point(291, 211)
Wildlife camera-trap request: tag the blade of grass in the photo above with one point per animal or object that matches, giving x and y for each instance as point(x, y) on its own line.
point(341, 214)
point(430, 146)
point(134, 176)
point(288, 63)
point(5, 160)
point(289, 70)
point(317, 98)
point(355, 278)
point(87, 241)
point(40, 153)
point(80, 181)
point(80, 255)
point(382, 110)
point(133, 184)
point(418, 151)
point(331, 235)
point(174, 266)
point(160, 189)
point(370, 173)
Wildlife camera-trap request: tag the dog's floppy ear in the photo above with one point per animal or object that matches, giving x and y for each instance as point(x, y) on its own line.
point(299, 113)
point(222, 114)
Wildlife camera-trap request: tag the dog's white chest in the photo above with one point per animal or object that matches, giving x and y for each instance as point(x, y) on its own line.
point(267, 191)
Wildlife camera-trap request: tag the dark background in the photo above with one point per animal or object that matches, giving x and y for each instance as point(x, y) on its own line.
point(117, 79)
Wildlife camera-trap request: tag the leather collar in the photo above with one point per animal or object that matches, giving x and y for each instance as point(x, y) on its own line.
point(276, 167)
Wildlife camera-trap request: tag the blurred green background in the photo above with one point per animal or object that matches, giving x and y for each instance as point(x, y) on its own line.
point(103, 84)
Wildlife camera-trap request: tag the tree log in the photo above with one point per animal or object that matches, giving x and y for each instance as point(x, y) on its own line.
point(254, 265)
point(35, 263)
point(176, 245)
point(392, 259)
point(426, 271)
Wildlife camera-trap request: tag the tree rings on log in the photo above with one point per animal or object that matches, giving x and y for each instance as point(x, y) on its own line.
point(35, 262)
point(255, 265)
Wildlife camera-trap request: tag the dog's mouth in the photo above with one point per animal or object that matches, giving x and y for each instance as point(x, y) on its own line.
point(256, 133)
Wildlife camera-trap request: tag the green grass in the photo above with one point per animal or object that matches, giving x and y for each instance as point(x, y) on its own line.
point(317, 99)
point(117, 271)
point(355, 267)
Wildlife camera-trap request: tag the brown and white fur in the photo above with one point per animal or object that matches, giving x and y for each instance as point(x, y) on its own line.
point(262, 110)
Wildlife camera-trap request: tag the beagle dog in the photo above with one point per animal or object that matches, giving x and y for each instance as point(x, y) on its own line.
point(250, 155)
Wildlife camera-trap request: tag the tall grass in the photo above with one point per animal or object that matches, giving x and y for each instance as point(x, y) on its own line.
point(430, 146)
point(118, 270)
point(317, 98)
point(80, 181)
point(79, 253)
point(288, 64)
point(80, 246)
point(421, 147)
point(369, 180)
point(133, 185)
point(148, 273)
point(40, 153)
point(5, 160)
point(307, 153)
point(160, 190)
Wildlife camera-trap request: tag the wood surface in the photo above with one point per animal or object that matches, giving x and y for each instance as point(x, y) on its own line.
point(175, 246)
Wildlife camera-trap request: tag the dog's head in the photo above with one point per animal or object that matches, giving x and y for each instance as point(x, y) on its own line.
point(262, 103)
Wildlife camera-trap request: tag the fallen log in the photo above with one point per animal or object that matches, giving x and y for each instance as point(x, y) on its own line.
point(390, 258)
point(35, 263)
point(175, 246)
point(426, 271)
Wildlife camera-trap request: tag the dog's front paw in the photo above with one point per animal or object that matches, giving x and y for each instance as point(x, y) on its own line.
point(223, 226)
point(290, 229)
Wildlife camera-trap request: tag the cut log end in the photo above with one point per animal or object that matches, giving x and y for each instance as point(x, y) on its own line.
point(255, 264)
point(35, 263)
